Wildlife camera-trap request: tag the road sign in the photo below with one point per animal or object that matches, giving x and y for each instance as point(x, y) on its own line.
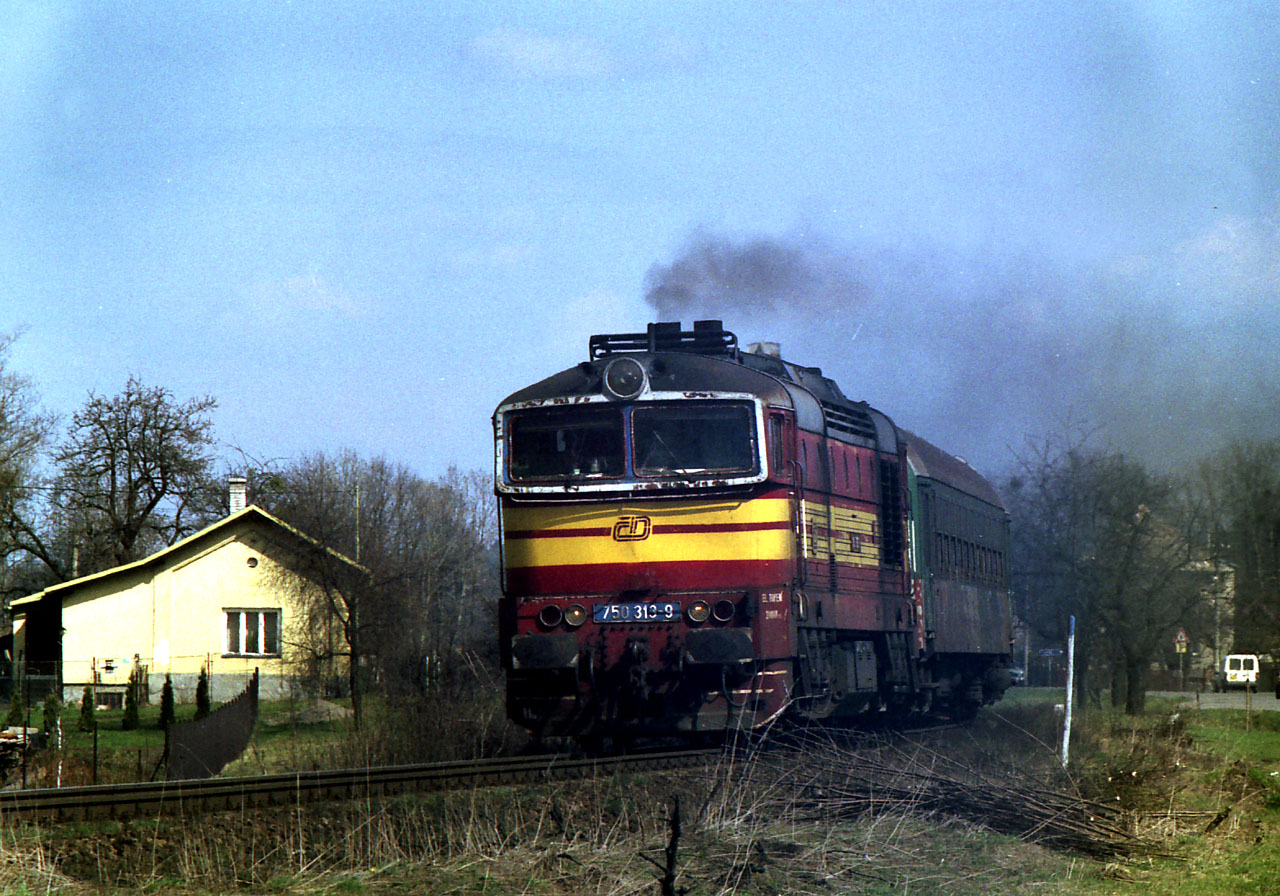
point(1051, 651)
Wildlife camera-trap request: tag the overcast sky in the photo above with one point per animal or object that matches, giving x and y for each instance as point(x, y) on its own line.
point(361, 225)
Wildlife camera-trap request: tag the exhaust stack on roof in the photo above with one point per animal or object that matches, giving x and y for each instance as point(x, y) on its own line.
point(239, 493)
point(766, 349)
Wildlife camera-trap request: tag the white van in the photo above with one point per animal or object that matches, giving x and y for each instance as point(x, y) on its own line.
point(1240, 670)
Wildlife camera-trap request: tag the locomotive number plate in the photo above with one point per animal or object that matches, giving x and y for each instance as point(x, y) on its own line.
point(660, 611)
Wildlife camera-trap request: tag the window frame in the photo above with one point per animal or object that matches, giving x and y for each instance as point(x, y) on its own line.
point(507, 484)
point(261, 627)
point(635, 463)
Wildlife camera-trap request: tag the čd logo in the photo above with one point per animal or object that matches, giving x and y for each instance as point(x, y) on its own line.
point(632, 528)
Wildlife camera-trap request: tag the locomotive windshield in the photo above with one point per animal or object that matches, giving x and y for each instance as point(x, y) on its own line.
point(692, 438)
point(567, 443)
point(671, 440)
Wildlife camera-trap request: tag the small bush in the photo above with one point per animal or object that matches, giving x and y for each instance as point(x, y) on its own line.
point(203, 702)
point(15, 717)
point(167, 713)
point(52, 709)
point(130, 720)
point(88, 709)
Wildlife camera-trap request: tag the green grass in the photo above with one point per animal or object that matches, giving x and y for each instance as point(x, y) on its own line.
point(1233, 736)
point(281, 742)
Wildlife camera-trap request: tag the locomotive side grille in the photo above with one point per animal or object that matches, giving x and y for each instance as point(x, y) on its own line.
point(890, 514)
point(708, 337)
point(849, 420)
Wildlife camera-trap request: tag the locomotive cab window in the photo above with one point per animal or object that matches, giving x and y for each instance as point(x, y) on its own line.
point(563, 443)
point(776, 454)
point(680, 439)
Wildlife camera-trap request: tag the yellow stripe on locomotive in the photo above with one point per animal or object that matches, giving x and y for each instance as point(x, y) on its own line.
point(647, 532)
point(847, 533)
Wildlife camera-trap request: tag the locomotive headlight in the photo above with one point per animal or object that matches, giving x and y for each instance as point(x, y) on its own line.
point(550, 615)
point(624, 378)
point(699, 611)
point(575, 615)
point(724, 610)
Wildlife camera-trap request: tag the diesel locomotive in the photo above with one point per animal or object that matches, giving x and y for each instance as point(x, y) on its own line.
point(699, 537)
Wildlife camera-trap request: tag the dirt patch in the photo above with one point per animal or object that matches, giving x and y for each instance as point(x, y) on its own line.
point(312, 713)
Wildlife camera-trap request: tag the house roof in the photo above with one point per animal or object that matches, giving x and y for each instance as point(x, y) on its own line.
point(250, 515)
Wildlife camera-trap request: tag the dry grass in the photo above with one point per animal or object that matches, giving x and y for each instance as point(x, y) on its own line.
point(810, 821)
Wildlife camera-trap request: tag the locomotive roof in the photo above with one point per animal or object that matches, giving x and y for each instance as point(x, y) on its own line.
point(931, 462)
point(707, 359)
point(668, 372)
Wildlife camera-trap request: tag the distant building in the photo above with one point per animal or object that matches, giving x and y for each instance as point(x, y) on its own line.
point(230, 598)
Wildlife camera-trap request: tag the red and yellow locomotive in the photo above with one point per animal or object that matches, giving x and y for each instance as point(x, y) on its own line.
point(698, 538)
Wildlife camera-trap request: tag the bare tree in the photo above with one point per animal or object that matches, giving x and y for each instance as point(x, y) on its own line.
point(130, 476)
point(1242, 485)
point(24, 434)
point(1098, 536)
point(1145, 570)
point(430, 576)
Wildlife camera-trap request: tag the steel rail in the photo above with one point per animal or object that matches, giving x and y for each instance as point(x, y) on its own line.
point(211, 794)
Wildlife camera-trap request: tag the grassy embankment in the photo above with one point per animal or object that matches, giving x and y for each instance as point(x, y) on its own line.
point(1198, 793)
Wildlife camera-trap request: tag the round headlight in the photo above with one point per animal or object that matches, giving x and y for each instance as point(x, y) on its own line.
point(575, 615)
point(550, 615)
point(624, 378)
point(698, 611)
point(724, 610)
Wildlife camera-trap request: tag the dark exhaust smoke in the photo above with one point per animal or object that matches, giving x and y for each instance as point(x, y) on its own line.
point(759, 275)
point(1166, 358)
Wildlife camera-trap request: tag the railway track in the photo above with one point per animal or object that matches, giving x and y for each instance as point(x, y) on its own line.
point(173, 797)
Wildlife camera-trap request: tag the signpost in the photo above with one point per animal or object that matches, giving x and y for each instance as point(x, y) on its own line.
point(1180, 645)
point(1051, 654)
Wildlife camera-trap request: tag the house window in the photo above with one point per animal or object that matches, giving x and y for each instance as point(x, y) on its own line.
point(253, 633)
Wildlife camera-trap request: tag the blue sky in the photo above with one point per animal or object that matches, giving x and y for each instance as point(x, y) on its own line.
point(361, 225)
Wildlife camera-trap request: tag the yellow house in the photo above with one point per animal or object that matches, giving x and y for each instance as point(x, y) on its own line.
point(231, 598)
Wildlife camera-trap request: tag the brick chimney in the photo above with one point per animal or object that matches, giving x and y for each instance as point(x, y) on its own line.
point(239, 490)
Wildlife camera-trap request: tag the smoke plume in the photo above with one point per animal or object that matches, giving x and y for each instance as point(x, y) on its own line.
point(1166, 357)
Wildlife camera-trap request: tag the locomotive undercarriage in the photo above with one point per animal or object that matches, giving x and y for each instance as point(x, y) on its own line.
point(838, 676)
point(966, 682)
point(649, 691)
point(846, 675)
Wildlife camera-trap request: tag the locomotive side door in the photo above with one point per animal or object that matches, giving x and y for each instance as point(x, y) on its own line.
point(785, 468)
